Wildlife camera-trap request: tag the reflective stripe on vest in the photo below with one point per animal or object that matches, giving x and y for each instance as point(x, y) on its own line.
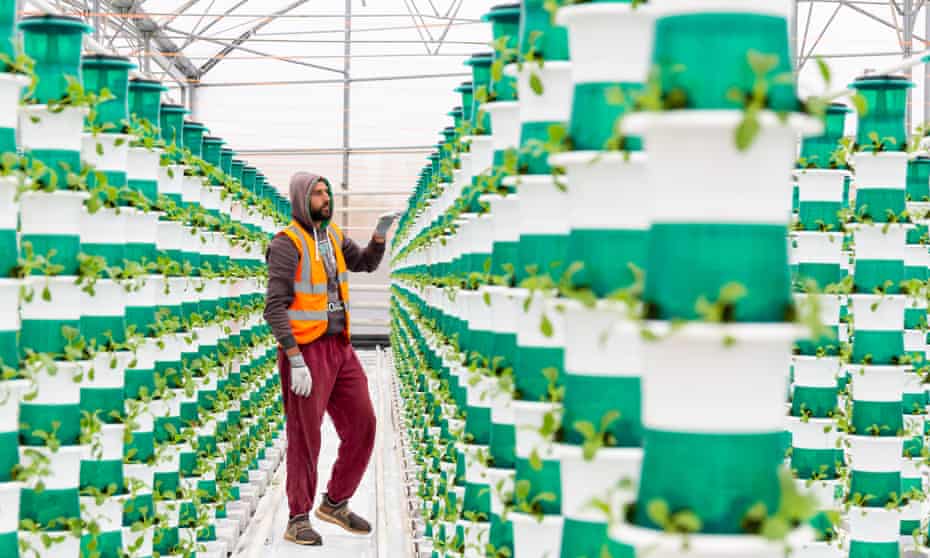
point(309, 311)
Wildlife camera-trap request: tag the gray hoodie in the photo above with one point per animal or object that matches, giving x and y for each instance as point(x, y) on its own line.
point(283, 258)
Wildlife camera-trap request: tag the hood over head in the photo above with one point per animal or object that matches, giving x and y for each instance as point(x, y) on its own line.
point(301, 185)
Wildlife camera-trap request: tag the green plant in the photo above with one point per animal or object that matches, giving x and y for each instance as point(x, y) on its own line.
point(596, 438)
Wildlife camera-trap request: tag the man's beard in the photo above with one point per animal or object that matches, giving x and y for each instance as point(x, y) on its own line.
point(321, 214)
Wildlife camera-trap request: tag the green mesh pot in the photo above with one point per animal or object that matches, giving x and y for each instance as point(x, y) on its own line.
point(111, 73)
point(8, 12)
point(594, 116)
point(726, 475)
point(226, 159)
point(692, 260)
point(467, 91)
point(551, 40)
point(212, 150)
point(236, 167)
point(172, 126)
point(481, 80)
point(886, 101)
point(248, 178)
point(505, 27)
point(54, 43)
point(193, 137)
point(918, 179)
point(817, 151)
point(702, 57)
point(145, 99)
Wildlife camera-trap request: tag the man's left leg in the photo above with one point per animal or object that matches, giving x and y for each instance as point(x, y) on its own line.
point(354, 418)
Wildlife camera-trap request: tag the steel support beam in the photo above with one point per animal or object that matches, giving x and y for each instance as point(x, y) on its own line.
point(245, 36)
point(346, 108)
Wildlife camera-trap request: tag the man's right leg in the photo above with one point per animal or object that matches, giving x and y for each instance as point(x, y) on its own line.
point(304, 418)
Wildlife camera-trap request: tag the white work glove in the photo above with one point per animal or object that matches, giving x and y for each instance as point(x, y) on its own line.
point(301, 381)
point(384, 223)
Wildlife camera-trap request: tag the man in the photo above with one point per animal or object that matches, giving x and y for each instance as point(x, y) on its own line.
point(307, 307)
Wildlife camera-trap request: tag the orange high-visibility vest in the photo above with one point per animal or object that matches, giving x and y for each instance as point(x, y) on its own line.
point(309, 312)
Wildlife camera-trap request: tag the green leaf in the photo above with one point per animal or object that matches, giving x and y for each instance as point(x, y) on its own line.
point(824, 71)
point(658, 512)
point(545, 326)
point(860, 104)
point(536, 84)
point(747, 130)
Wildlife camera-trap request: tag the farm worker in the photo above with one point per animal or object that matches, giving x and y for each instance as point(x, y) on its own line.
point(307, 307)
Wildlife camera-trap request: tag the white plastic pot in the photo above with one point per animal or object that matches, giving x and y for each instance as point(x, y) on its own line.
point(544, 202)
point(109, 299)
point(12, 87)
point(132, 538)
point(58, 212)
point(506, 210)
point(817, 247)
point(811, 371)
point(477, 535)
point(141, 472)
point(41, 128)
point(170, 236)
point(110, 444)
point(106, 226)
point(9, 205)
point(813, 433)
point(880, 241)
point(64, 466)
point(106, 152)
point(529, 330)
point(592, 28)
point(482, 154)
point(604, 189)
point(504, 477)
point(61, 387)
point(583, 481)
point(108, 514)
point(190, 189)
point(210, 197)
point(821, 550)
point(10, 393)
point(823, 491)
point(877, 312)
point(9, 304)
point(554, 104)
point(876, 454)
point(170, 179)
point(536, 538)
point(821, 184)
point(601, 341)
point(687, 148)
point(916, 255)
point(9, 513)
point(873, 524)
point(716, 388)
point(61, 544)
point(140, 227)
point(505, 122)
point(658, 544)
point(143, 163)
point(528, 419)
point(877, 383)
point(886, 170)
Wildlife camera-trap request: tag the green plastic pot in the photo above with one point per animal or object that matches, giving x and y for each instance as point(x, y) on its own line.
point(145, 99)
point(535, 21)
point(193, 137)
point(505, 28)
point(467, 91)
point(9, 9)
point(702, 57)
point(226, 159)
point(885, 98)
point(481, 80)
point(104, 72)
point(236, 167)
point(172, 125)
point(817, 151)
point(918, 179)
point(54, 43)
point(248, 177)
point(212, 150)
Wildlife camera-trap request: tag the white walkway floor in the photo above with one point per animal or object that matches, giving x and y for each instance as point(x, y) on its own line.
point(388, 539)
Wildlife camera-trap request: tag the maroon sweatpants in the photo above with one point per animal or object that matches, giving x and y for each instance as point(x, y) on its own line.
point(340, 388)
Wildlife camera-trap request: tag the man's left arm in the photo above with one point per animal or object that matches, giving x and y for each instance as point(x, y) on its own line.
point(367, 259)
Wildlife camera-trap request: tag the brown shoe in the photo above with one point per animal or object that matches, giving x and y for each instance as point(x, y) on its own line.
point(299, 531)
point(341, 515)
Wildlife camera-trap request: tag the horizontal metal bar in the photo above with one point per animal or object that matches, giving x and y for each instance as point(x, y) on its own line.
point(333, 150)
point(331, 81)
